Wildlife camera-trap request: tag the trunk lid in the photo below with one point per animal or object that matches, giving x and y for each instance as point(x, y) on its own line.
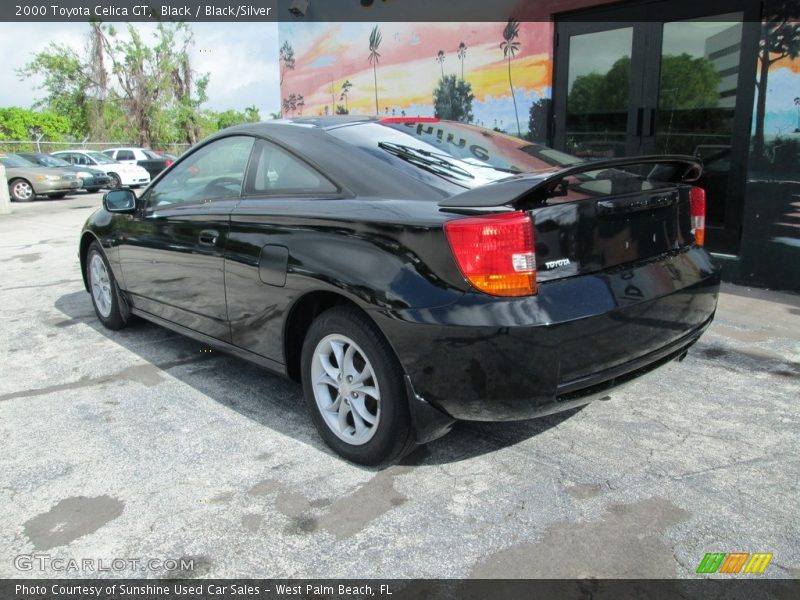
point(599, 215)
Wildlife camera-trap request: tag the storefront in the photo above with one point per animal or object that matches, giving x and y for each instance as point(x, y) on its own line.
point(716, 79)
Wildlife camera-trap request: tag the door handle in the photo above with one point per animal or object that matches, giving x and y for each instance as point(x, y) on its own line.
point(209, 237)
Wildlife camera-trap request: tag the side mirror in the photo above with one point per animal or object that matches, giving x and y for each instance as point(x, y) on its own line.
point(120, 201)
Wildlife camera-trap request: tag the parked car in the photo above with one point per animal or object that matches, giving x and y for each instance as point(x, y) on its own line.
point(147, 159)
point(412, 272)
point(91, 180)
point(26, 180)
point(119, 174)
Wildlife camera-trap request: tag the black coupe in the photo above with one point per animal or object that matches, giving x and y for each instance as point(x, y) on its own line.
point(410, 271)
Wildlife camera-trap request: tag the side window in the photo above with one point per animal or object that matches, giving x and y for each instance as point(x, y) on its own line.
point(69, 157)
point(278, 172)
point(109, 153)
point(125, 155)
point(80, 159)
point(215, 171)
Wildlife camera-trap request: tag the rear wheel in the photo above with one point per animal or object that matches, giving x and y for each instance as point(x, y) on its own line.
point(103, 288)
point(21, 191)
point(354, 388)
point(115, 182)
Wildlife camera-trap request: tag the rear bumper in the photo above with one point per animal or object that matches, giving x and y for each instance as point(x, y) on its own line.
point(484, 358)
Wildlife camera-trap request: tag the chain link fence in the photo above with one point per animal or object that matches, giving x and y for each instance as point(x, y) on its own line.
point(42, 146)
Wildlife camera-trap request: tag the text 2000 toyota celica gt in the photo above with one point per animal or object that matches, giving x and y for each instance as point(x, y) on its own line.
point(412, 272)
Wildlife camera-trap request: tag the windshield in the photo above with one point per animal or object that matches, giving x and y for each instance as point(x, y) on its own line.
point(12, 160)
point(100, 159)
point(465, 155)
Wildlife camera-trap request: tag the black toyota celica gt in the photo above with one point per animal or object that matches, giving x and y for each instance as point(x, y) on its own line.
point(411, 272)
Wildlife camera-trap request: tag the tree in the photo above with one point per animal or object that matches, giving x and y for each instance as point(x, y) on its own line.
point(286, 59)
point(146, 92)
point(780, 38)
point(346, 87)
point(510, 47)
point(341, 110)
point(462, 54)
point(452, 99)
point(229, 118)
point(440, 60)
point(252, 114)
point(538, 118)
point(375, 38)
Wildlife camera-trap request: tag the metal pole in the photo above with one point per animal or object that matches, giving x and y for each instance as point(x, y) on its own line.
point(5, 201)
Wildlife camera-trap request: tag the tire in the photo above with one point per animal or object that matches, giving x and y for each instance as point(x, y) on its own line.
point(57, 196)
point(21, 190)
point(103, 289)
point(390, 436)
point(115, 182)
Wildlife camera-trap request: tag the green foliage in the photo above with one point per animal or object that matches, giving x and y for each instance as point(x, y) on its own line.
point(452, 99)
point(24, 124)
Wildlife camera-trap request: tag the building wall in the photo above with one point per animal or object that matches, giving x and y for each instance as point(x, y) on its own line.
point(409, 68)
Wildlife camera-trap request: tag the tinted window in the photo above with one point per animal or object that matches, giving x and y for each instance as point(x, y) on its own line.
point(278, 172)
point(80, 159)
point(125, 155)
point(214, 171)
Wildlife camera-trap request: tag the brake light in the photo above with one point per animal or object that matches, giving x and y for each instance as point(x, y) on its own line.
point(168, 162)
point(408, 120)
point(495, 253)
point(697, 208)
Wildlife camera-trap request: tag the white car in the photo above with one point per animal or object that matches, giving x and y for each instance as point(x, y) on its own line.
point(120, 174)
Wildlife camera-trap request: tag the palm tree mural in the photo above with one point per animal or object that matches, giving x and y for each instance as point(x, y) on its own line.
point(462, 54)
point(286, 59)
point(346, 87)
point(375, 38)
point(510, 47)
point(301, 102)
point(440, 60)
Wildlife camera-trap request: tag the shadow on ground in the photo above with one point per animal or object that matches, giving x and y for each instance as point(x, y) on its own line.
point(271, 400)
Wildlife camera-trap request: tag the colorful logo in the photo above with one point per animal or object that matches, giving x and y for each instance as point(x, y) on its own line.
point(734, 562)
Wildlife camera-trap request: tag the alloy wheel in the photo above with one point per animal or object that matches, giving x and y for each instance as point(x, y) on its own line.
point(346, 389)
point(101, 285)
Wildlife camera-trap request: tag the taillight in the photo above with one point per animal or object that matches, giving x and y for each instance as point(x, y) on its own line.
point(168, 162)
point(496, 252)
point(697, 208)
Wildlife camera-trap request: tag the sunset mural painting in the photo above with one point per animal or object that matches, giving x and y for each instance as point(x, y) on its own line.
point(464, 71)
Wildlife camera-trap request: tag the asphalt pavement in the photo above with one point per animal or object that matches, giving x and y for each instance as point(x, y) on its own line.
point(147, 447)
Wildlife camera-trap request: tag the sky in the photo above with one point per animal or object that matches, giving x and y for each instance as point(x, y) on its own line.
point(242, 59)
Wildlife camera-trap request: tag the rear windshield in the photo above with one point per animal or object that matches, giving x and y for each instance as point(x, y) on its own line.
point(450, 155)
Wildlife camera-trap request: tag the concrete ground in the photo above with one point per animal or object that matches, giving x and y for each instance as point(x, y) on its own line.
point(141, 444)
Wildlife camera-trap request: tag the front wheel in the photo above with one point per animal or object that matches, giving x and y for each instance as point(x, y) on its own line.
point(354, 388)
point(103, 288)
point(21, 191)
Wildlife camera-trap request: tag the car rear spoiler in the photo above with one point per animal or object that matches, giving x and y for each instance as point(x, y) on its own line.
point(535, 188)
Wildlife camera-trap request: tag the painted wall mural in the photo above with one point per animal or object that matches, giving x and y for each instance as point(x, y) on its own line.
point(771, 232)
point(497, 75)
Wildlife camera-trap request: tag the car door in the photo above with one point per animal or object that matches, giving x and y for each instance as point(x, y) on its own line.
point(267, 237)
point(171, 251)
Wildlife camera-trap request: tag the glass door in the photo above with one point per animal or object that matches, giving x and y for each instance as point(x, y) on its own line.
point(663, 78)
